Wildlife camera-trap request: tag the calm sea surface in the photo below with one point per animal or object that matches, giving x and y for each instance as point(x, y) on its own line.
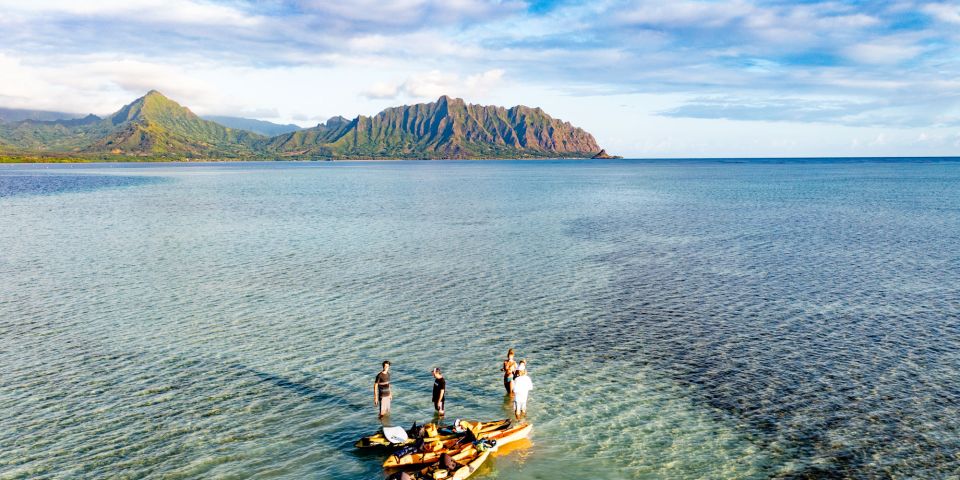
point(682, 319)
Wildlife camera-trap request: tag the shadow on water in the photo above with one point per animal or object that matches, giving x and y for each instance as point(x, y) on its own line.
point(313, 392)
point(338, 436)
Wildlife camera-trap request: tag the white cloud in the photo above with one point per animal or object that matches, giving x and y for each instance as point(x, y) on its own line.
point(18, 82)
point(883, 52)
point(102, 83)
point(383, 90)
point(137, 76)
point(421, 46)
point(785, 25)
point(945, 12)
point(174, 11)
point(687, 13)
point(433, 84)
point(484, 81)
point(404, 12)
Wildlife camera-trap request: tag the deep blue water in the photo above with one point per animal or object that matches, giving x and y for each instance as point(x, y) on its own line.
point(683, 319)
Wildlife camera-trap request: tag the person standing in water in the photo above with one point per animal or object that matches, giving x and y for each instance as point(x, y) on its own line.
point(381, 390)
point(439, 391)
point(521, 390)
point(509, 370)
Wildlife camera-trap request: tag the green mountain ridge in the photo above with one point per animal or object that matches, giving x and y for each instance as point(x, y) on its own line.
point(150, 126)
point(261, 127)
point(447, 128)
point(154, 126)
point(20, 114)
point(52, 136)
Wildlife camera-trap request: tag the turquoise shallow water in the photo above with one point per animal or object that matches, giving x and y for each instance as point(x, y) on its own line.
point(682, 319)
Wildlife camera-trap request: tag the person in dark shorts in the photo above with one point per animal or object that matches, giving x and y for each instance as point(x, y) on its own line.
point(381, 390)
point(509, 370)
point(439, 391)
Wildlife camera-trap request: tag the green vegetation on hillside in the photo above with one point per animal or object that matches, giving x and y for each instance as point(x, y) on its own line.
point(447, 128)
point(20, 114)
point(261, 127)
point(154, 127)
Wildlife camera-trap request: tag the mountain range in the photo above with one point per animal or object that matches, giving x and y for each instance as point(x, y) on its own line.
point(153, 127)
point(262, 127)
point(19, 114)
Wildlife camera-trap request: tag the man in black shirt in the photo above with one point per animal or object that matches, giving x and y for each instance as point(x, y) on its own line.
point(381, 390)
point(439, 391)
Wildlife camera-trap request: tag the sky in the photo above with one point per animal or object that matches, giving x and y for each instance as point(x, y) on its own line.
point(650, 79)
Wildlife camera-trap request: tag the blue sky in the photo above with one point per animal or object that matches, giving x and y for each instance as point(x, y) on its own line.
point(648, 78)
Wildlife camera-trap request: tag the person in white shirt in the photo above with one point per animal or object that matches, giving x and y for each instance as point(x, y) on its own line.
point(521, 390)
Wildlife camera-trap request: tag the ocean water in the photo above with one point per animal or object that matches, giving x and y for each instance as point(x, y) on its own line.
point(682, 319)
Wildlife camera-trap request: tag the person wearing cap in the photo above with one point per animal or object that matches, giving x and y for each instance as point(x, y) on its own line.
point(521, 390)
point(381, 390)
point(439, 391)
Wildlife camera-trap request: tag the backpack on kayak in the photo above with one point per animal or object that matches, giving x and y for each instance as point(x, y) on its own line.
point(484, 445)
point(448, 463)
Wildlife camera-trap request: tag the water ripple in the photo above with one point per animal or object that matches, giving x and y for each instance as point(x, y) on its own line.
point(682, 320)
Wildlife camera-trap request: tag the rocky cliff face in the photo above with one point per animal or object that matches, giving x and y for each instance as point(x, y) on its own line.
point(602, 154)
point(447, 128)
point(155, 126)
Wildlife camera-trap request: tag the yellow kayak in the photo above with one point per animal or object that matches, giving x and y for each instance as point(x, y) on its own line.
point(464, 449)
point(378, 440)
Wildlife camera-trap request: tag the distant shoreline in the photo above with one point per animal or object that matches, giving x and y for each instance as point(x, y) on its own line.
point(155, 128)
point(53, 159)
point(15, 159)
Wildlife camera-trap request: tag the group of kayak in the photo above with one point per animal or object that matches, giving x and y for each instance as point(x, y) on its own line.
point(451, 452)
point(432, 452)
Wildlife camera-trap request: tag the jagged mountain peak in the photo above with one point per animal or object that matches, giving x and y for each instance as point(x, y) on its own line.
point(152, 106)
point(156, 126)
point(335, 121)
point(447, 99)
point(446, 128)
